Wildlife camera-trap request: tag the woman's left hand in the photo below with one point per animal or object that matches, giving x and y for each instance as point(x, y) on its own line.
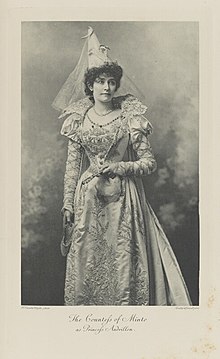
point(112, 170)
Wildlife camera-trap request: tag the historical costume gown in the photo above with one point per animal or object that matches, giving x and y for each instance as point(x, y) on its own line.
point(119, 254)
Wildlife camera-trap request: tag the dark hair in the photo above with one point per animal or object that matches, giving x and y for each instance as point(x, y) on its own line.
point(109, 69)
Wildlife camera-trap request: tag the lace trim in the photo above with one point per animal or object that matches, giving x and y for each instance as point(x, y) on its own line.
point(128, 104)
point(78, 107)
point(131, 108)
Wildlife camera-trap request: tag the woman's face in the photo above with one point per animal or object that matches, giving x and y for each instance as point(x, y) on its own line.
point(104, 88)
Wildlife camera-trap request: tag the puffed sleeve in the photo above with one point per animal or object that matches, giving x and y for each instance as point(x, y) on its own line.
point(140, 129)
point(73, 162)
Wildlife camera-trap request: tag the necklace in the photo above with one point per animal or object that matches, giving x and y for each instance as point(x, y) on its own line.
point(106, 124)
point(104, 114)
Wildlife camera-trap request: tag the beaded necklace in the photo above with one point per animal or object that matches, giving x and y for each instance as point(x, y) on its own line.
point(97, 125)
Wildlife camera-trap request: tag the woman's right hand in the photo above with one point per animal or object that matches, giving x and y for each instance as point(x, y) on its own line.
point(67, 217)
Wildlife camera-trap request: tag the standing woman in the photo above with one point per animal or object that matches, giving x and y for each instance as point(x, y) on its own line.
point(117, 252)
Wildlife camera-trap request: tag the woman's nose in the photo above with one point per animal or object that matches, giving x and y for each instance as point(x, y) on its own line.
point(106, 85)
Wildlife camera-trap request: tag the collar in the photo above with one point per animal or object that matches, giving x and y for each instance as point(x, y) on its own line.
point(129, 104)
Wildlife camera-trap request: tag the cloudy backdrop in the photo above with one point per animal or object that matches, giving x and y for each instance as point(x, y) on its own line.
point(162, 58)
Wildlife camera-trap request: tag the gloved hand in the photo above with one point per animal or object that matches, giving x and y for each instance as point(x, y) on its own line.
point(67, 217)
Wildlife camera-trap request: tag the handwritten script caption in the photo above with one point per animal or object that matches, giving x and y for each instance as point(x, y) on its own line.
point(91, 323)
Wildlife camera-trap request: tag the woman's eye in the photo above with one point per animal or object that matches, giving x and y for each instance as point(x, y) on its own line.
point(102, 81)
point(99, 81)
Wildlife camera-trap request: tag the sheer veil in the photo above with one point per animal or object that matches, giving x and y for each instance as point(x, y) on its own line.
point(73, 88)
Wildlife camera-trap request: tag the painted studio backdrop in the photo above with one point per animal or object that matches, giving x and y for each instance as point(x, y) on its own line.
point(162, 59)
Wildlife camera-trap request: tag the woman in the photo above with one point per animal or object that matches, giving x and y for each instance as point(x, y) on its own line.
point(118, 252)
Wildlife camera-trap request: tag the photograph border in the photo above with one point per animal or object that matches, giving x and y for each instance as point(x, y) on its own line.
point(200, 326)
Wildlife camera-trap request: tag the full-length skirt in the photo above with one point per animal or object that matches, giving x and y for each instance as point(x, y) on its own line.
point(119, 253)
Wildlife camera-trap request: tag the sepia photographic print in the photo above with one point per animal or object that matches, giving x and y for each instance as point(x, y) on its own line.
point(110, 163)
point(110, 160)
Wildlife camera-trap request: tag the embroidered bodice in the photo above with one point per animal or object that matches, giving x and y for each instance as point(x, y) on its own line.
point(98, 140)
point(108, 144)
